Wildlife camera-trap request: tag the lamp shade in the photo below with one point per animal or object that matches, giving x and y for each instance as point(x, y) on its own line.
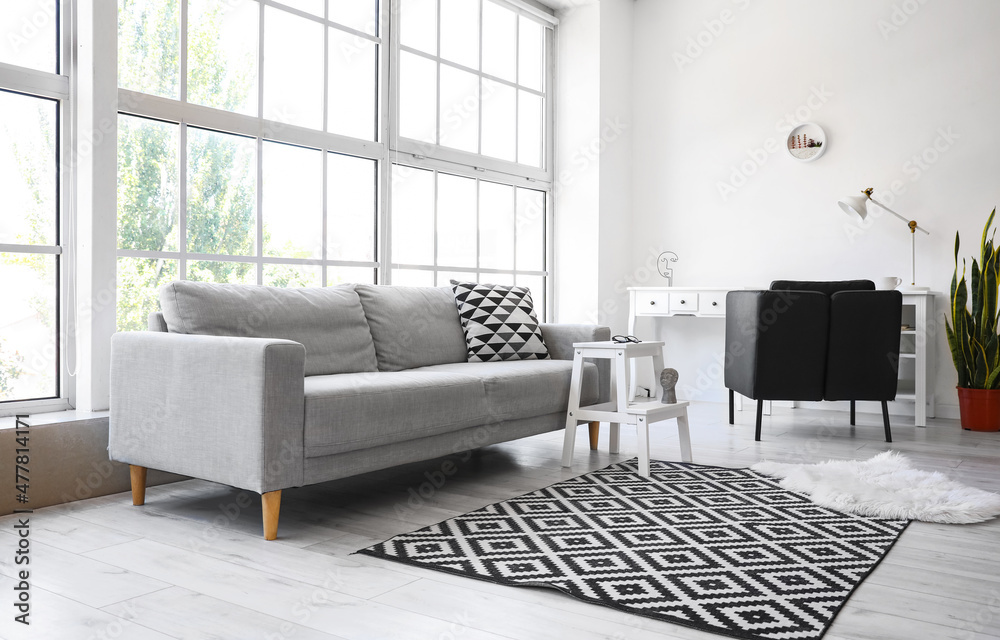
point(858, 205)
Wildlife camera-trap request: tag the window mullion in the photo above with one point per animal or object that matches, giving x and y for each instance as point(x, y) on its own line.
point(259, 240)
point(479, 84)
point(182, 195)
point(259, 195)
point(517, 92)
point(437, 203)
point(513, 204)
point(48, 249)
point(389, 82)
point(184, 50)
point(437, 78)
point(326, 200)
point(66, 209)
point(33, 82)
point(326, 127)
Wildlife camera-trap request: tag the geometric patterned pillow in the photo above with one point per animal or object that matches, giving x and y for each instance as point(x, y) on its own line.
point(499, 322)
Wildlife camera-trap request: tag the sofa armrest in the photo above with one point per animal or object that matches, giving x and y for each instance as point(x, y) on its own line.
point(225, 409)
point(559, 339)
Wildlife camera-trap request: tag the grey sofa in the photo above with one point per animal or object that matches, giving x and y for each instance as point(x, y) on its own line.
point(265, 389)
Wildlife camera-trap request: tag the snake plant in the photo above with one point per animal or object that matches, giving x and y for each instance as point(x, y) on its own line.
point(972, 336)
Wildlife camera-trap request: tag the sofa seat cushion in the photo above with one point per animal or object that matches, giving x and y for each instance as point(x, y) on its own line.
point(525, 388)
point(328, 321)
point(413, 326)
point(347, 412)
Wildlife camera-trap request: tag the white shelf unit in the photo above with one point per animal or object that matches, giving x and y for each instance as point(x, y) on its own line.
point(916, 356)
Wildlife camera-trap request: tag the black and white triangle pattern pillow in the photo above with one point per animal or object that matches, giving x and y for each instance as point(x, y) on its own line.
point(499, 322)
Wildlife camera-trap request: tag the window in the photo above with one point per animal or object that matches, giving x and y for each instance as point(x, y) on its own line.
point(470, 175)
point(311, 143)
point(471, 79)
point(258, 167)
point(33, 99)
point(455, 227)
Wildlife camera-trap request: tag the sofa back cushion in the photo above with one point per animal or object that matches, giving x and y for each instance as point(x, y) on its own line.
point(328, 321)
point(413, 326)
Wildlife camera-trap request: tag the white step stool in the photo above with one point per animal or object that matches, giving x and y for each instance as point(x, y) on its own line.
point(622, 408)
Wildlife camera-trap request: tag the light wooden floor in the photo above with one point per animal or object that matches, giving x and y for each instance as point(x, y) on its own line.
point(191, 563)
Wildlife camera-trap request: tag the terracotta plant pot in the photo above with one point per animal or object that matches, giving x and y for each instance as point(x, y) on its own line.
point(980, 409)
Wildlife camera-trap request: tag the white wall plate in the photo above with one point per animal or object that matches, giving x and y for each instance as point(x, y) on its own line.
point(806, 142)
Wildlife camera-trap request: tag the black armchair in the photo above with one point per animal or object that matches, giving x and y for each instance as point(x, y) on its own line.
point(813, 341)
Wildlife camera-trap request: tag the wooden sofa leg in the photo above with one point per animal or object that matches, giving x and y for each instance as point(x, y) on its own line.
point(595, 432)
point(852, 413)
point(732, 405)
point(138, 477)
point(271, 504)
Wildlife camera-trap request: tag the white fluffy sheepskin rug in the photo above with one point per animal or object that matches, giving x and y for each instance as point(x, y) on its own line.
point(885, 486)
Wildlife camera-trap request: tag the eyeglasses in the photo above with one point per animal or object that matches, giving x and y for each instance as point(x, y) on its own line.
point(624, 339)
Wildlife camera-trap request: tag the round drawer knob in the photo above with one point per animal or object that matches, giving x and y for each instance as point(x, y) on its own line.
point(652, 302)
point(684, 301)
point(715, 304)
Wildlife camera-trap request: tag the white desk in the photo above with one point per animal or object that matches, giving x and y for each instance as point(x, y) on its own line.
point(916, 366)
point(704, 302)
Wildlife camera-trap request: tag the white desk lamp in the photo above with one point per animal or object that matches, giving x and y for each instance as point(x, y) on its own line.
point(859, 205)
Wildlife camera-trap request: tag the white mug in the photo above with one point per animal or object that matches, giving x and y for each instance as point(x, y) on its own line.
point(888, 283)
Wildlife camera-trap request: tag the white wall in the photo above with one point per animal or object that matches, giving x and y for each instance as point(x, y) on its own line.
point(593, 156)
point(615, 144)
point(908, 95)
point(577, 118)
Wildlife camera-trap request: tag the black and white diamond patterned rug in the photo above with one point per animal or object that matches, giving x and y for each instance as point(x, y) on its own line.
point(716, 549)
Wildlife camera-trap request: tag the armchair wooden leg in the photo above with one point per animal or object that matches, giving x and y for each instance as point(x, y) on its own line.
point(138, 477)
point(595, 432)
point(732, 405)
point(271, 504)
point(885, 421)
point(852, 413)
point(760, 411)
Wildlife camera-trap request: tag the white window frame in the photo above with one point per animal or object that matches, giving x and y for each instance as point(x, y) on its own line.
point(476, 271)
point(410, 150)
point(54, 86)
point(184, 114)
point(440, 159)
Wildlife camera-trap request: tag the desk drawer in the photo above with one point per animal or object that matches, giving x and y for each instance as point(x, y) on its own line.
point(652, 303)
point(713, 303)
point(686, 302)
